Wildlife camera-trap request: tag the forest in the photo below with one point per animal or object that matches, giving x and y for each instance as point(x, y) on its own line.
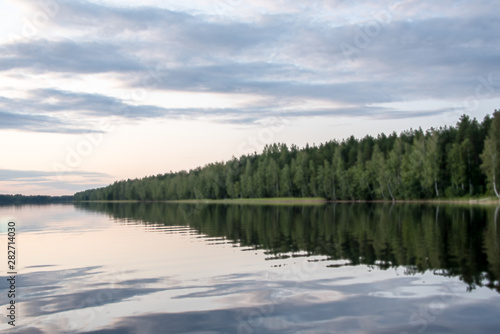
point(34, 199)
point(450, 162)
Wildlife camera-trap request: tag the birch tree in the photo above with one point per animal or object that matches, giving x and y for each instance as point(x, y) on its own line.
point(490, 155)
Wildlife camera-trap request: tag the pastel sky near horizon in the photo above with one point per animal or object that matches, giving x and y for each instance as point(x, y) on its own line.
point(93, 91)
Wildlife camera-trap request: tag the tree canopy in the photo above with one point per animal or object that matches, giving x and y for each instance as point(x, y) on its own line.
point(454, 161)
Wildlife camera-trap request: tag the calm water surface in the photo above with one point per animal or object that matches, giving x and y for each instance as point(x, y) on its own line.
point(178, 268)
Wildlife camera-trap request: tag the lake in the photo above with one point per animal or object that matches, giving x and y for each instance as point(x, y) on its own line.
point(210, 268)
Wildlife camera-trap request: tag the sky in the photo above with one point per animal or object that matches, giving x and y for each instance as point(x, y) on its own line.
point(101, 90)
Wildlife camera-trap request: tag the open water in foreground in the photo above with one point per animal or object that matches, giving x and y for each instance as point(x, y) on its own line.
point(186, 268)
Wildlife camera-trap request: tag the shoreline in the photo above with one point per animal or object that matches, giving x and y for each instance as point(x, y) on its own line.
point(256, 201)
point(308, 201)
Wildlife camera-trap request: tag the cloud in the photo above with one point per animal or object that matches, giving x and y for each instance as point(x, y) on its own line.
point(40, 176)
point(397, 52)
point(36, 123)
point(59, 111)
point(44, 182)
point(55, 100)
point(56, 110)
point(66, 56)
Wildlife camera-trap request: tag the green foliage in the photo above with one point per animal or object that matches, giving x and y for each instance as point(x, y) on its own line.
point(461, 160)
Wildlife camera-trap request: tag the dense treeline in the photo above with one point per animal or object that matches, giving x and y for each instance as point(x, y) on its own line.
point(449, 240)
point(36, 199)
point(462, 160)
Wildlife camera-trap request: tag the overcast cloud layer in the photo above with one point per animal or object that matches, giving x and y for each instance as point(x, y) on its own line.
point(322, 51)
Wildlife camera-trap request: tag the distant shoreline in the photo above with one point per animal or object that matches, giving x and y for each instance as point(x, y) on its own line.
point(256, 201)
point(308, 201)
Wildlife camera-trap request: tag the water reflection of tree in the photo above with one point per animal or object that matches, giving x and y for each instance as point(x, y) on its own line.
point(450, 240)
point(492, 250)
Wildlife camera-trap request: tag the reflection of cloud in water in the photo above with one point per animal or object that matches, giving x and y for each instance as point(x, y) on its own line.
point(58, 300)
point(252, 303)
point(82, 300)
point(280, 305)
point(51, 292)
point(359, 314)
